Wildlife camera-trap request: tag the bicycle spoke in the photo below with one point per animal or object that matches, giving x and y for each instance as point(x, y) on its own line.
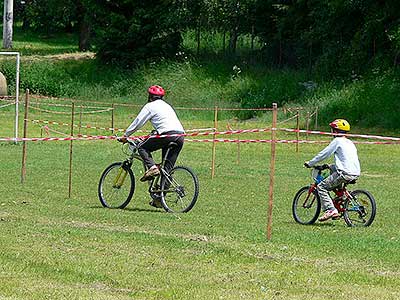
point(180, 190)
point(306, 206)
point(116, 187)
point(360, 209)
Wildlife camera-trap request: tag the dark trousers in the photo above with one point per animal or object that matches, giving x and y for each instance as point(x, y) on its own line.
point(153, 144)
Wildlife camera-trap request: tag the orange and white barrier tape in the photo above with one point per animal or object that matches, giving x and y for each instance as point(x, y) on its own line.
point(388, 140)
point(68, 113)
point(88, 126)
point(8, 104)
point(99, 137)
point(347, 134)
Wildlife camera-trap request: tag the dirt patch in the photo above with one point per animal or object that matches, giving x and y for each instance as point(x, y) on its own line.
point(62, 56)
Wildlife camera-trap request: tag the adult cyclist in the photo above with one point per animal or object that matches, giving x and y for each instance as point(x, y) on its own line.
point(165, 122)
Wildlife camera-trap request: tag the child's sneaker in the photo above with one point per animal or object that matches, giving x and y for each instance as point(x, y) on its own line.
point(329, 214)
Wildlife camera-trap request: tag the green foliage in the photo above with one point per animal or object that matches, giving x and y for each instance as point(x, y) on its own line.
point(47, 16)
point(212, 80)
point(131, 31)
point(368, 102)
point(255, 88)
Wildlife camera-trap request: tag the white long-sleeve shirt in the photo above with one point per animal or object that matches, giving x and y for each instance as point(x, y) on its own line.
point(161, 115)
point(345, 153)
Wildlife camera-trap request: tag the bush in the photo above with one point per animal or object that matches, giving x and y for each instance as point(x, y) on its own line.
point(254, 90)
point(369, 102)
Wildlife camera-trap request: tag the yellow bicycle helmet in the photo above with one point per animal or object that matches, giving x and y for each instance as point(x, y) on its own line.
point(340, 124)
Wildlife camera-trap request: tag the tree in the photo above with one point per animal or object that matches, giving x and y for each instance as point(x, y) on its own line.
point(8, 24)
point(54, 16)
point(126, 32)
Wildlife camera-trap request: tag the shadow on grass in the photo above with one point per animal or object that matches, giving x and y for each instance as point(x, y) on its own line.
point(154, 210)
point(316, 224)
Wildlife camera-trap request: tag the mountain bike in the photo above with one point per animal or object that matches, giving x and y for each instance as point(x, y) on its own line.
point(176, 191)
point(358, 207)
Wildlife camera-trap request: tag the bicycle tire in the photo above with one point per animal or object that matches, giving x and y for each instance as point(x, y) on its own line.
point(361, 211)
point(180, 191)
point(113, 196)
point(306, 215)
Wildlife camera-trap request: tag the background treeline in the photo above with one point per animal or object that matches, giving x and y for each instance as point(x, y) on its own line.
point(338, 35)
point(341, 55)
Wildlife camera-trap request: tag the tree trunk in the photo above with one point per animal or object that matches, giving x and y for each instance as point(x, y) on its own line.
point(235, 30)
point(252, 38)
point(84, 36)
point(198, 37)
point(224, 41)
point(233, 41)
point(84, 28)
point(8, 24)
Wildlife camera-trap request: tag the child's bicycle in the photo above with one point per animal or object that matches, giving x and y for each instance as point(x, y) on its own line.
point(358, 207)
point(176, 191)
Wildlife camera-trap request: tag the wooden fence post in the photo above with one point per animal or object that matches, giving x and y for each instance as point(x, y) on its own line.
point(80, 120)
point(238, 147)
point(214, 142)
point(24, 144)
point(298, 130)
point(112, 118)
point(272, 169)
point(70, 150)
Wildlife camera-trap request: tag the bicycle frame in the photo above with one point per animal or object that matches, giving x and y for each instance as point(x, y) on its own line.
point(357, 207)
point(154, 184)
point(175, 190)
point(312, 190)
point(341, 196)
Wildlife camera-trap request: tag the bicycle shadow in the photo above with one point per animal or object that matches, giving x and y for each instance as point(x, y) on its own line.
point(316, 224)
point(135, 209)
point(152, 210)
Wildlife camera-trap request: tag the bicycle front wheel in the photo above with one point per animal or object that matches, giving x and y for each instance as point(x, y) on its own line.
point(116, 186)
point(306, 206)
point(360, 210)
point(180, 190)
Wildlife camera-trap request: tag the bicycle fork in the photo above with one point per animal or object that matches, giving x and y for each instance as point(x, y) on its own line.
point(121, 176)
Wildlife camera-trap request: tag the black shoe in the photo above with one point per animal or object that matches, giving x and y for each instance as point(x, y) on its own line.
point(156, 203)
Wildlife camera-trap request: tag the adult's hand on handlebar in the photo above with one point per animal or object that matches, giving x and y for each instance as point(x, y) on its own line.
point(122, 139)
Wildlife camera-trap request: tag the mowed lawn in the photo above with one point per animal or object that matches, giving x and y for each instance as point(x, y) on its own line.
point(55, 247)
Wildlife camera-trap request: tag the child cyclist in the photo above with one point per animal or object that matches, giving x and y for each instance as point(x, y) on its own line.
point(345, 169)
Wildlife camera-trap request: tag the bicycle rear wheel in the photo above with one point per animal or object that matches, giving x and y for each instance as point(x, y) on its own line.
point(306, 206)
point(180, 190)
point(116, 186)
point(361, 210)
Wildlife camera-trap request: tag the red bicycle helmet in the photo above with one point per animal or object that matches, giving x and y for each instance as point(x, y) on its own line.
point(156, 90)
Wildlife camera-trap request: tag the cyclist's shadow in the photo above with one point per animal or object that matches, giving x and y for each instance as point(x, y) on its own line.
point(152, 210)
point(136, 209)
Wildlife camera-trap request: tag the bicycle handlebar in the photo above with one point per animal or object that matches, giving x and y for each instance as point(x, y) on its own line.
point(321, 167)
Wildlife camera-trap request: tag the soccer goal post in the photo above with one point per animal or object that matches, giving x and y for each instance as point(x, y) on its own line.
point(17, 55)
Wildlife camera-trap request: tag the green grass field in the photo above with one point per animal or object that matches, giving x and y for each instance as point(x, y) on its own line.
point(53, 247)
